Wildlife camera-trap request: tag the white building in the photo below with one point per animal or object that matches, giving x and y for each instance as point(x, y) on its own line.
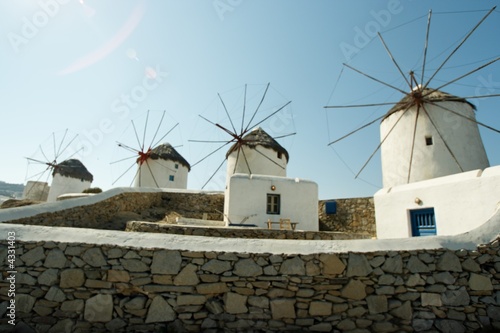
point(69, 176)
point(36, 190)
point(432, 163)
point(164, 168)
point(258, 191)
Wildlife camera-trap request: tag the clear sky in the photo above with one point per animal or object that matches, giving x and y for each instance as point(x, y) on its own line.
point(92, 67)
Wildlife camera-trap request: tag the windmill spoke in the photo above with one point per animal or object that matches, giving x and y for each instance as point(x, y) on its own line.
point(137, 136)
point(272, 114)
point(213, 174)
point(123, 174)
point(413, 143)
point(152, 174)
point(256, 110)
point(359, 105)
point(442, 139)
point(43, 154)
point(284, 136)
point(425, 47)
point(60, 144)
point(145, 130)
point(161, 165)
point(480, 96)
point(462, 76)
point(157, 130)
point(246, 160)
point(382, 141)
point(123, 159)
point(459, 45)
point(38, 161)
point(356, 130)
point(244, 108)
point(213, 152)
point(393, 60)
point(227, 131)
point(374, 79)
point(237, 159)
point(69, 143)
point(208, 141)
point(157, 142)
point(227, 113)
point(258, 151)
point(128, 148)
point(465, 117)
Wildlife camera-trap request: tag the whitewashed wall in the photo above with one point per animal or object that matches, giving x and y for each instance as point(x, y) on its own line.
point(461, 203)
point(63, 185)
point(162, 170)
point(36, 190)
point(461, 135)
point(247, 196)
point(269, 164)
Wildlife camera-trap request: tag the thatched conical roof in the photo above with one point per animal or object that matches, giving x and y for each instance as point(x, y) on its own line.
point(259, 137)
point(430, 95)
point(73, 168)
point(165, 151)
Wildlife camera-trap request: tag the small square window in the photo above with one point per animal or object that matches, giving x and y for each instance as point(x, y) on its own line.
point(171, 178)
point(428, 140)
point(331, 207)
point(273, 204)
point(280, 155)
point(176, 165)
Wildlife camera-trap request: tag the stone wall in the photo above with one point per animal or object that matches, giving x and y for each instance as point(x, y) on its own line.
point(354, 215)
point(114, 212)
point(76, 287)
point(239, 232)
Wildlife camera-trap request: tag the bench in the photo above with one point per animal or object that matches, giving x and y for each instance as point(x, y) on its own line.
point(283, 223)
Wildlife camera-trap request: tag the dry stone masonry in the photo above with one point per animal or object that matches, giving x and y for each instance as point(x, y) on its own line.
point(73, 287)
point(353, 215)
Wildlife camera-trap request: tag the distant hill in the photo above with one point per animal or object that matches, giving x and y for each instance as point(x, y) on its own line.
point(11, 190)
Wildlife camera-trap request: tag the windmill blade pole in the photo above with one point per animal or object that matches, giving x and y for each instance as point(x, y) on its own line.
point(145, 129)
point(123, 174)
point(60, 144)
point(237, 159)
point(157, 129)
point(211, 122)
point(393, 60)
point(442, 139)
point(460, 45)
point(152, 174)
point(284, 136)
point(163, 137)
point(244, 108)
point(464, 75)
point(480, 96)
point(227, 113)
point(356, 130)
point(213, 174)
point(359, 105)
point(425, 46)
point(375, 79)
point(213, 152)
point(128, 148)
point(208, 141)
point(69, 143)
point(413, 143)
point(246, 161)
point(123, 159)
point(258, 151)
point(272, 114)
point(136, 135)
point(258, 107)
point(381, 142)
point(465, 117)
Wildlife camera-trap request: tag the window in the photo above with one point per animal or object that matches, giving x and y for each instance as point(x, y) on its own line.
point(423, 222)
point(428, 140)
point(171, 178)
point(273, 204)
point(279, 155)
point(176, 165)
point(331, 207)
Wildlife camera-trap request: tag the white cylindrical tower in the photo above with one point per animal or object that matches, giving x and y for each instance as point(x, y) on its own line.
point(429, 134)
point(257, 153)
point(70, 176)
point(37, 191)
point(164, 167)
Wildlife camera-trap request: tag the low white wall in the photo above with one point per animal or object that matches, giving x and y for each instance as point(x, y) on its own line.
point(461, 203)
point(247, 197)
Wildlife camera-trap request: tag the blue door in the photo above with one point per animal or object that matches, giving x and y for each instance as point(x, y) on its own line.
point(423, 222)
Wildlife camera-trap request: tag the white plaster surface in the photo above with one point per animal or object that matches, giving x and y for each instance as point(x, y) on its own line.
point(248, 198)
point(461, 135)
point(461, 203)
point(155, 173)
point(63, 184)
point(481, 235)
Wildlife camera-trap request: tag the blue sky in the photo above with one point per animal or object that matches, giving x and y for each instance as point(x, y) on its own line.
point(92, 67)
